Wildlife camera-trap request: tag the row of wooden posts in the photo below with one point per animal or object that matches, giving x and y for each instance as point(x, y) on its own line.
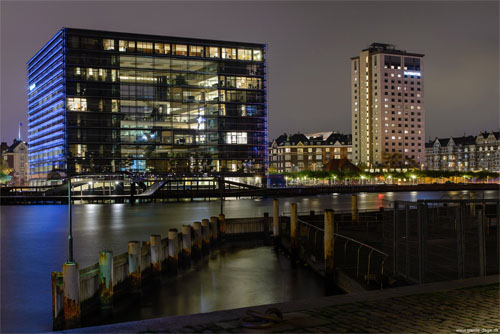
point(68, 294)
point(195, 240)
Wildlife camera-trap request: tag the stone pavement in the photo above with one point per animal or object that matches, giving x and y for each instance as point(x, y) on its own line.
point(461, 306)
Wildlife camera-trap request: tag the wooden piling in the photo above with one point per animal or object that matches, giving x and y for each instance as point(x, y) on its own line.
point(294, 242)
point(156, 254)
point(213, 231)
point(186, 243)
point(57, 301)
point(197, 244)
point(329, 245)
point(106, 279)
point(354, 208)
point(134, 265)
point(205, 231)
point(276, 221)
point(173, 246)
point(71, 279)
point(222, 227)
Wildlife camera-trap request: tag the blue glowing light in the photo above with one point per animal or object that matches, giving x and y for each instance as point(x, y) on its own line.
point(412, 73)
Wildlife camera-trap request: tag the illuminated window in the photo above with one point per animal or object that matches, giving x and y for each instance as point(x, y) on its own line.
point(196, 51)
point(228, 53)
point(145, 47)
point(180, 49)
point(127, 46)
point(236, 138)
point(257, 55)
point(161, 48)
point(213, 52)
point(244, 54)
point(108, 44)
point(76, 104)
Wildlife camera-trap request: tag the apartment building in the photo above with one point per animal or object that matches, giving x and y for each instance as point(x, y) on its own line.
point(387, 101)
point(299, 152)
point(467, 153)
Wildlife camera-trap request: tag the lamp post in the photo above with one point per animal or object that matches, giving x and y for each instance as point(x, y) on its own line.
point(70, 235)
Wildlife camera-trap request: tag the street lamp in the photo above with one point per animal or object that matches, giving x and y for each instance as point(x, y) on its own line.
point(55, 175)
point(70, 235)
point(413, 178)
point(362, 178)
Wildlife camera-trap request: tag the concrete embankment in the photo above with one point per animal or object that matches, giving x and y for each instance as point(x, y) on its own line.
point(451, 306)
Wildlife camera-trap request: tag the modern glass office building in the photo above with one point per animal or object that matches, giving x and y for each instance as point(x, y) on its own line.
point(108, 102)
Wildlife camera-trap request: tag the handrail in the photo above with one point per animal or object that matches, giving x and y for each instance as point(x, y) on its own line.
point(360, 243)
point(337, 211)
point(345, 237)
point(305, 223)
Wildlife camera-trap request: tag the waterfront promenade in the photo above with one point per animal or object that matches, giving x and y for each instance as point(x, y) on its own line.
point(58, 195)
point(460, 306)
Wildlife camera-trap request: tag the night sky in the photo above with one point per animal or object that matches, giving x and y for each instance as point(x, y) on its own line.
point(309, 46)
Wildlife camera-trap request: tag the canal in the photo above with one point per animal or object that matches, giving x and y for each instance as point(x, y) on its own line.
point(34, 243)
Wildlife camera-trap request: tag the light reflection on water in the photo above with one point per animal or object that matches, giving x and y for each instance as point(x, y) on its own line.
point(34, 243)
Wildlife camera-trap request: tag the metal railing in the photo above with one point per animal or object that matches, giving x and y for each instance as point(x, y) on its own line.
point(436, 240)
point(355, 258)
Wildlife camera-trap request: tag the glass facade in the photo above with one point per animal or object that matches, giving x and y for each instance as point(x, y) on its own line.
point(102, 102)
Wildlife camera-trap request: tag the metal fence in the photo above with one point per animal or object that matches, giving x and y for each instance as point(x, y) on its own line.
point(423, 241)
point(435, 240)
point(357, 259)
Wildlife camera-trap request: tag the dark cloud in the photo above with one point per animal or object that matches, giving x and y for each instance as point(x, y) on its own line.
point(309, 48)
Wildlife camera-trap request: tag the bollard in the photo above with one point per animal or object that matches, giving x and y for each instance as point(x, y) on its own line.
point(205, 231)
point(156, 254)
point(179, 245)
point(106, 279)
point(197, 244)
point(213, 231)
point(173, 246)
point(57, 301)
point(354, 208)
point(71, 279)
point(294, 246)
point(276, 221)
point(134, 265)
point(329, 245)
point(222, 227)
point(186, 243)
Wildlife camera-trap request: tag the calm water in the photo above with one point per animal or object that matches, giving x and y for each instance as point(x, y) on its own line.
point(34, 243)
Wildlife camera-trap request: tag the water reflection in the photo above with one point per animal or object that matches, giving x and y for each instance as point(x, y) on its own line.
point(235, 278)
